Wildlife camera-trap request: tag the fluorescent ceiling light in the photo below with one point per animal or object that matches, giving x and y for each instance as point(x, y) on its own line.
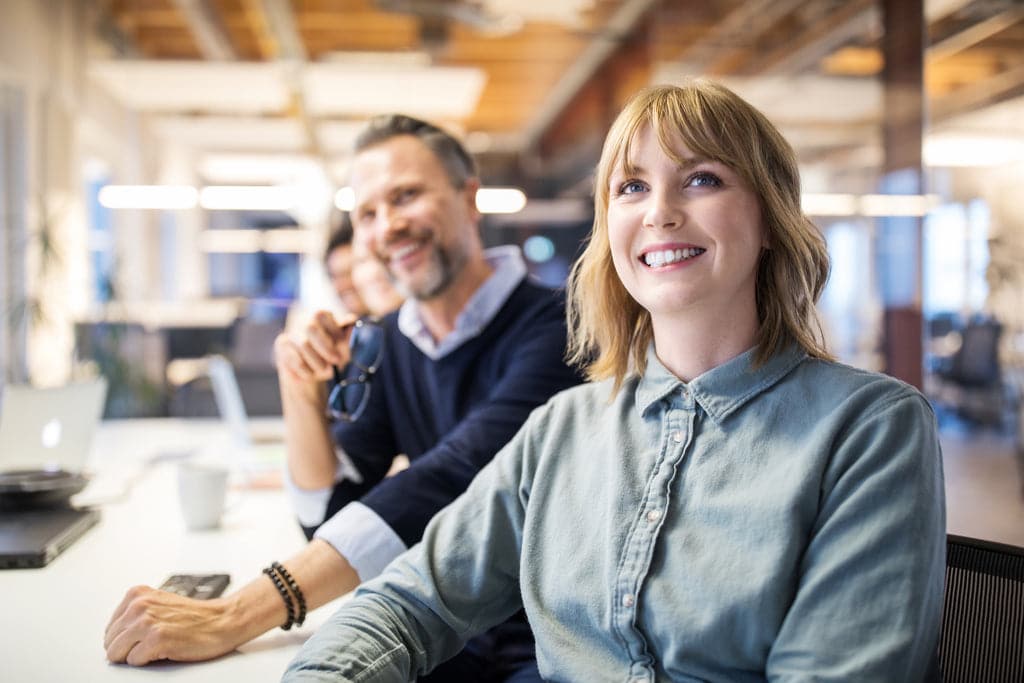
point(337, 89)
point(288, 241)
point(231, 241)
point(488, 199)
point(148, 196)
point(277, 241)
point(972, 150)
point(247, 198)
point(875, 205)
point(828, 204)
point(225, 87)
point(500, 200)
point(896, 204)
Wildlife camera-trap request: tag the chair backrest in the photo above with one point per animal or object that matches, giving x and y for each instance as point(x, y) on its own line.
point(977, 361)
point(983, 618)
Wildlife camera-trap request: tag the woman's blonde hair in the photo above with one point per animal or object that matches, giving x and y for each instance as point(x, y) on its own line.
point(609, 332)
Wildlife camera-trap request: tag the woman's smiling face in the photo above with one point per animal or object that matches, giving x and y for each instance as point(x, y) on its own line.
point(685, 233)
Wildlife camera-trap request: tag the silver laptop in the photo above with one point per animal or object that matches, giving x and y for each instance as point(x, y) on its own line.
point(50, 428)
point(258, 453)
point(45, 432)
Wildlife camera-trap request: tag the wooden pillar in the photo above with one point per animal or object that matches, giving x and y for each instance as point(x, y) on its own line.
point(900, 238)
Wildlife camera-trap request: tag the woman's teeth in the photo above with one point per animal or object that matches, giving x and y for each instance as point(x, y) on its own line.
point(665, 257)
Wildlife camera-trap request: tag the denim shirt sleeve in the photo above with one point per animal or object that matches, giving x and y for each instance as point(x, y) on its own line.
point(460, 580)
point(869, 597)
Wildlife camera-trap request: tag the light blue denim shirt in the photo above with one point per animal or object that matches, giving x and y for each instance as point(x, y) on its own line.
point(783, 523)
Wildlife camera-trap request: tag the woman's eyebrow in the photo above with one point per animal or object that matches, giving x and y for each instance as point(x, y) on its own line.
point(684, 164)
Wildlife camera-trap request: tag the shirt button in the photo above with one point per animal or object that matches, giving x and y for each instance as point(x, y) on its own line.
point(677, 437)
point(684, 392)
point(627, 600)
point(653, 516)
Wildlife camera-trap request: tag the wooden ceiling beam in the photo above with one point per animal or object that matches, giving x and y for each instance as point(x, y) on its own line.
point(624, 23)
point(972, 35)
point(718, 47)
point(852, 21)
point(1002, 86)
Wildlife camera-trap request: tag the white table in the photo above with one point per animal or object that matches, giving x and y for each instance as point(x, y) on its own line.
point(52, 619)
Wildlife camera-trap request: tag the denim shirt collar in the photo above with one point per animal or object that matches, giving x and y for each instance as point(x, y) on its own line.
point(509, 270)
point(721, 390)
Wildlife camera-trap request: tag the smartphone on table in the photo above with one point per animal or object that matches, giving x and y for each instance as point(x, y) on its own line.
point(199, 586)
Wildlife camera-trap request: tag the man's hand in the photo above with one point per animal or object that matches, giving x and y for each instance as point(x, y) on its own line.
point(151, 624)
point(323, 345)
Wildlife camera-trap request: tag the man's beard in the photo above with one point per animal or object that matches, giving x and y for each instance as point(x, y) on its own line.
point(442, 269)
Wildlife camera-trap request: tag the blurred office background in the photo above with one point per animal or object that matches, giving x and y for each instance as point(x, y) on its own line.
point(169, 170)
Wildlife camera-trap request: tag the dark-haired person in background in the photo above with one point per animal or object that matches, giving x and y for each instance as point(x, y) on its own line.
point(473, 350)
point(358, 278)
point(339, 259)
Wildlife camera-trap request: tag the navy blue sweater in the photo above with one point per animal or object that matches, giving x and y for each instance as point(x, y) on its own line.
point(452, 415)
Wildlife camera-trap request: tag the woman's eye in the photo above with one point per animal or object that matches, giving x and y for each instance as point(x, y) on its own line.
point(631, 187)
point(704, 179)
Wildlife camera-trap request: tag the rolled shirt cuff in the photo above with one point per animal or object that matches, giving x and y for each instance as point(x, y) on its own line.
point(363, 538)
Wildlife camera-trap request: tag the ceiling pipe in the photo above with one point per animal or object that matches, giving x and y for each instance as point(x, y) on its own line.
point(619, 28)
point(206, 28)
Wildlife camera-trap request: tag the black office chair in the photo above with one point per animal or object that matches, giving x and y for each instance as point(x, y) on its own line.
point(973, 376)
point(983, 617)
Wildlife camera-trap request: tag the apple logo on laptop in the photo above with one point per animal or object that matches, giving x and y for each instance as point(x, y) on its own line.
point(51, 433)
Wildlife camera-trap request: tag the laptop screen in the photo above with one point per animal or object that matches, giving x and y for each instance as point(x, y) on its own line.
point(49, 428)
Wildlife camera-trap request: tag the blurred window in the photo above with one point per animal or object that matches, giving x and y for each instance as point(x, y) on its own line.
point(955, 258)
point(101, 235)
point(271, 281)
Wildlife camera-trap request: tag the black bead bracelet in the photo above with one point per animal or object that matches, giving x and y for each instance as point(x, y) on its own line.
point(296, 591)
point(285, 595)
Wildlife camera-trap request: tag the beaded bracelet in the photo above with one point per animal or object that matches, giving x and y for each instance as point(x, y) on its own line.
point(285, 595)
point(299, 597)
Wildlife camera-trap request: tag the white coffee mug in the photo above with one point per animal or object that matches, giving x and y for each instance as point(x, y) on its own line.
point(202, 489)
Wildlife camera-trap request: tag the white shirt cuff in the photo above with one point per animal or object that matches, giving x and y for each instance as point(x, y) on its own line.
point(310, 505)
point(362, 538)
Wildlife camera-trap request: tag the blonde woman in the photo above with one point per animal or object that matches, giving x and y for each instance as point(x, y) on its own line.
point(723, 501)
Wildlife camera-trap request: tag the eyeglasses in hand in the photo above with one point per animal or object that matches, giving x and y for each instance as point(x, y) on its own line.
point(351, 393)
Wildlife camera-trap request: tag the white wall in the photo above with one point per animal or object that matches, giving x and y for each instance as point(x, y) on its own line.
point(44, 51)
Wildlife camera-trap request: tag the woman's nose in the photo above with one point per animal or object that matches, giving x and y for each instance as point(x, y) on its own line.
point(662, 211)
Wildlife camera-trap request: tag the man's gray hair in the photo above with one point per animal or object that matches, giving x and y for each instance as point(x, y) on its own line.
point(457, 162)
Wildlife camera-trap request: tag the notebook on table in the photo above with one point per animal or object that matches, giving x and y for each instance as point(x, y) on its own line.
point(47, 433)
